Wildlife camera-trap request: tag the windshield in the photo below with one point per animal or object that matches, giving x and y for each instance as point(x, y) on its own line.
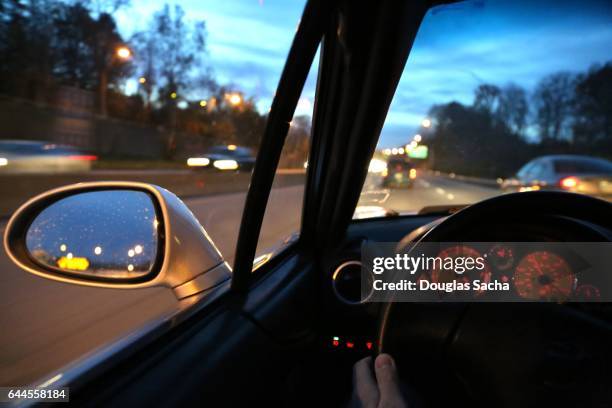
point(490, 86)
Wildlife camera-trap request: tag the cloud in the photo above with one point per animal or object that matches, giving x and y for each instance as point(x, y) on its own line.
point(458, 47)
point(444, 67)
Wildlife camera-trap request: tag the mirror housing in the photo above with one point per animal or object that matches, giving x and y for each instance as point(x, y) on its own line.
point(186, 259)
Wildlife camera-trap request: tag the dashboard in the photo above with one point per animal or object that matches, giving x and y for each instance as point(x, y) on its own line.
point(536, 250)
point(517, 253)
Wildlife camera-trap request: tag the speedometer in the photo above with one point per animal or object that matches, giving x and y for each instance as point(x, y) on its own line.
point(544, 275)
point(440, 274)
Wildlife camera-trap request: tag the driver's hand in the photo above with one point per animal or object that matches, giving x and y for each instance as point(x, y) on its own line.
point(378, 387)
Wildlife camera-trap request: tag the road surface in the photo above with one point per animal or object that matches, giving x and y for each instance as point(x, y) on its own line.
point(46, 325)
point(431, 190)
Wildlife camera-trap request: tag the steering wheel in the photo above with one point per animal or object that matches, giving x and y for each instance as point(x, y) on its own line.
point(501, 354)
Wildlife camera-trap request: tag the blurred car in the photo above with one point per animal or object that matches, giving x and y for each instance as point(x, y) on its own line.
point(230, 157)
point(400, 172)
point(574, 173)
point(377, 171)
point(28, 156)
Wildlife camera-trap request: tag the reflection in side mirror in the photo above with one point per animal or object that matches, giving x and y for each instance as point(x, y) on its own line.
point(103, 234)
point(115, 235)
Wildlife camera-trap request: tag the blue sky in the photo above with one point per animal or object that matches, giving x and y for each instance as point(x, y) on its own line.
point(457, 48)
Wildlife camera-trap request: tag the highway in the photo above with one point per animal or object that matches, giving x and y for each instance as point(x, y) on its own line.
point(46, 325)
point(430, 190)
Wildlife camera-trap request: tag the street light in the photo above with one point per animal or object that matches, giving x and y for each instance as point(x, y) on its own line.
point(142, 80)
point(203, 103)
point(123, 53)
point(234, 98)
point(426, 123)
point(417, 138)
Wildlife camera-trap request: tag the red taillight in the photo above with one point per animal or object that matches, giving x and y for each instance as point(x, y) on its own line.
point(84, 157)
point(568, 182)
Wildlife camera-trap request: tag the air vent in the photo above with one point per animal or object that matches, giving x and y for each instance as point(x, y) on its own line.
point(346, 282)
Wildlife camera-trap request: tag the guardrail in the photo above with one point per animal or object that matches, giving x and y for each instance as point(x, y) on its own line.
point(15, 189)
point(469, 179)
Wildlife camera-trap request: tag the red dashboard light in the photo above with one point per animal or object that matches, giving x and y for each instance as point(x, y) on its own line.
point(335, 341)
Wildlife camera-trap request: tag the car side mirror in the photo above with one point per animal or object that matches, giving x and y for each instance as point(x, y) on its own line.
point(115, 235)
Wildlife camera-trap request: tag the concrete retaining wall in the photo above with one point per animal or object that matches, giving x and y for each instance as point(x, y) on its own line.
point(16, 189)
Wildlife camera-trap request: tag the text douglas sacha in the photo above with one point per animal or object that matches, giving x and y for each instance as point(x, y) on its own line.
point(425, 285)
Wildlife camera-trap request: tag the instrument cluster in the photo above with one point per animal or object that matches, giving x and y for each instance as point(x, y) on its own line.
point(533, 274)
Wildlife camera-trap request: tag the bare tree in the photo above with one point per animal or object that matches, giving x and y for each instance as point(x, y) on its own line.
point(553, 98)
point(486, 97)
point(513, 108)
point(170, 53)
point(593, 106)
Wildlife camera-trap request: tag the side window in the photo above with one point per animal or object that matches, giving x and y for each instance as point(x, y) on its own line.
point(546, 170)
point(525, 170)
point(536, 171)
point(174, 94)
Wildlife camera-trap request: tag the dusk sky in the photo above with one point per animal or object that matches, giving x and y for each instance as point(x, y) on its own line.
point(457, 48)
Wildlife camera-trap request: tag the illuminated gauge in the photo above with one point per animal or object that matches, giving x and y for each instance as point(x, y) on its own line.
point(459, 263)
point(501, 256)
point(543, 275)
point(587, 292)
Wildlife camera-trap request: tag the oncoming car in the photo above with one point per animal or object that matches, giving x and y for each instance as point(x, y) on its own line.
point(224, 158)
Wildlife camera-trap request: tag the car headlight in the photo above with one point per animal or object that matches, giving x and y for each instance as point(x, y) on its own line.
point(226, 164)
point(377, 166)
point(198, 161)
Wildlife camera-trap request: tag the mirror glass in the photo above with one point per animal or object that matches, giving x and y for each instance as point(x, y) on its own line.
point(106, 233)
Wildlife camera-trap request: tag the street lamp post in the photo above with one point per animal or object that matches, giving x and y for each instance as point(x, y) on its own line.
point(122, 53)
